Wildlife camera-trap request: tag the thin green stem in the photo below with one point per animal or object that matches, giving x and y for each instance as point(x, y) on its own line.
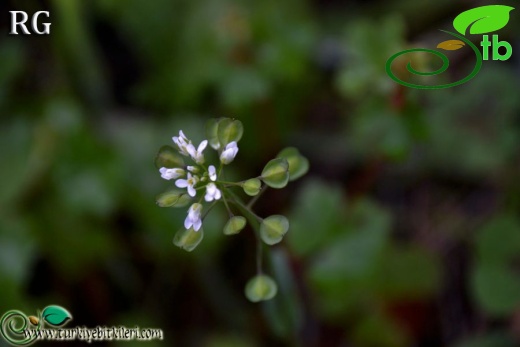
point(242, 206)
point(227, 206)
point(254, 220)
point(255, 199)
point(259, 254)
point(229, 183)
point(209, 209)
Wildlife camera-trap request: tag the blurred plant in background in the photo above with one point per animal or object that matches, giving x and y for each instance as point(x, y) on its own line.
point(404, 232)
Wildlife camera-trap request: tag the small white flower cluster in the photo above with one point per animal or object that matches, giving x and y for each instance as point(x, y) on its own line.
point(194, 177)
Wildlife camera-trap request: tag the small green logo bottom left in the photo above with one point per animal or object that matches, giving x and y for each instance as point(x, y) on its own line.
point(18, 329)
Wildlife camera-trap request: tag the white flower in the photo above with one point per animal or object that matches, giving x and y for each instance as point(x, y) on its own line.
point(212, 173)
point(196, 154)
point(229, 153)
point(193, 219)
point(189, 183)
point(171, 174)
point(212, 192)
point(182, 142)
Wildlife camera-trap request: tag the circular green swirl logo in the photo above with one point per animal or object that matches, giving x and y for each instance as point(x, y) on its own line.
point(479, 20)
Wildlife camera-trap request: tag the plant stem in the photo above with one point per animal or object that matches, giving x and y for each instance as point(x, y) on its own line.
point(255, 199)
point(227, 206)
point(254, 220)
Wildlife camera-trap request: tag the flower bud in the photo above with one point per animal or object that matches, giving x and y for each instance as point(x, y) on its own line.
point(276, 173)
point(234, 225)
point(169, 158)
point(188, 239)
point(273, 228)
point(260, 288)
point(252, 186)
point(298, 164)
point(229, 130)
point(173, 198)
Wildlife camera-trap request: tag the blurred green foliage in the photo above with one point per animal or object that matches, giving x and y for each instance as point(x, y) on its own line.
point(405, 233)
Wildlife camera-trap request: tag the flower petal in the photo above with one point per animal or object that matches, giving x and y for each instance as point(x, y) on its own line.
point(202, 146)
point(197, 225)
point(188, 223)
point(181, 183)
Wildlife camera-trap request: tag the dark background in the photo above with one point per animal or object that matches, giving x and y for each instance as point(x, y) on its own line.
point(405, 232)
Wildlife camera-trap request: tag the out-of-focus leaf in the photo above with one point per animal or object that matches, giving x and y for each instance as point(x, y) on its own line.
point(496, 289)
point(498, 242)
point(406, 273)
point(316, 217)
point(388, 333)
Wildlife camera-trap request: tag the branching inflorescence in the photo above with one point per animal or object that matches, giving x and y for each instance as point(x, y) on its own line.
point(203, 186)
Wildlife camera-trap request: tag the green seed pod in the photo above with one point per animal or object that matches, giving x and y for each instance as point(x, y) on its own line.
point(169, 158)
point(252, 186)
point(212, 132)
point(273, 228)
point(298, 164)
point(188, 239)
point(173, 198)
point(234, 225)
point(229, 130)
point(276, 173)
point(260, 288)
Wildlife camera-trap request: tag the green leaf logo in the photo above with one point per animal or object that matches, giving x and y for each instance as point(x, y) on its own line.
point(56, 315)
point(483, 20)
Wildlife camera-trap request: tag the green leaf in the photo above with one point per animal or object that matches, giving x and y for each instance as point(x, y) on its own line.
point(276, 173)
point(169, 158)
point(252, 186)
point(483, 20)
point(173, 198)
point(229, 130)
point(298, 164)
point(498, 241)
point(56, 315)
point(407, 272)
point(188, 239)
point(261, 288)
point(318, 206)
point(496, 289)
point(273, 228)
point(234, 225)
point(389, 333)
